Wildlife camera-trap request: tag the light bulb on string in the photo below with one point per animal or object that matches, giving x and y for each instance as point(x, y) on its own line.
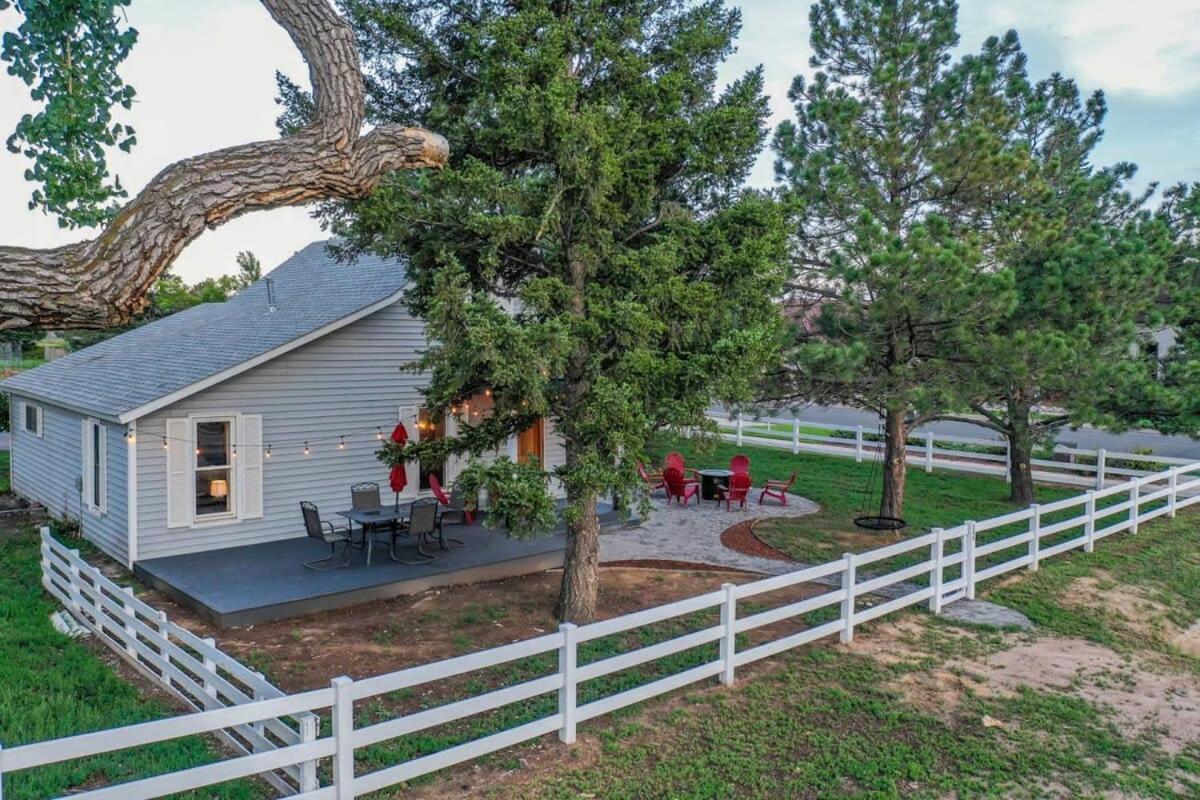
point(306, 448)
point(164, 442)
point(379, 433)
point(342, 442)
point(268, 453)
point(235, 450)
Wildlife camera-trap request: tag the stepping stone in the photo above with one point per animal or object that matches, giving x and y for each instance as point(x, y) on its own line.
point(981, 612)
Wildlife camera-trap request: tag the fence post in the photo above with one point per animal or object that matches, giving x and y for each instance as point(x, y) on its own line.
point(568, 656)
point(76, 602)
point(129, 629)
point(1173, 493)
point(796, 435)
point(740, 423)
point(210, 668)
point(308, 769)
point(858, 444)
point(929, 452)
point(343, 739)
point(260, 726)
point(848, 584)
point(1089, 524)
point(1, 772)
point(968, 566)
point(729, 640)
point(1035, 531)
point(1100, 458)
point(1135, 500)
point(165, 632)
point(938, 557)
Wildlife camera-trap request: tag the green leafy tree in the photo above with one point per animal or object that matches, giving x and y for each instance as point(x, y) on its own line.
point(892, 143)
point(1089, 266)
point(68, 52)
point(589, 256)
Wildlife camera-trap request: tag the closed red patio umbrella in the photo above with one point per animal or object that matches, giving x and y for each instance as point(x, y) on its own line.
point(399, 474)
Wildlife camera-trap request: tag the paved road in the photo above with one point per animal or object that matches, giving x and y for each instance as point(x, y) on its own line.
point(1086, 437)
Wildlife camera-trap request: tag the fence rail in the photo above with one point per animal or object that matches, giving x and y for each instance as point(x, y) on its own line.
point(191, 668)
point(950, 564)
point(933, 450)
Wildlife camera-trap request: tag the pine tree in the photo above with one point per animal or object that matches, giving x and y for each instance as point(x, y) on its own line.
point(892, 143)
point(589, 255)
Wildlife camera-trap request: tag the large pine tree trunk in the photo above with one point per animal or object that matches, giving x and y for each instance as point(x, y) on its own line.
point(1020, 444)
point(895, 464)
point(581, 570)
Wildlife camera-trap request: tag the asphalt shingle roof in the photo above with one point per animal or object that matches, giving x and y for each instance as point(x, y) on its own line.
point(311, 290)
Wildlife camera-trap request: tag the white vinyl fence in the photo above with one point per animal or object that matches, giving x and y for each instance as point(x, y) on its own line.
point(936, 568)
point(189, 667)
point(932, 450)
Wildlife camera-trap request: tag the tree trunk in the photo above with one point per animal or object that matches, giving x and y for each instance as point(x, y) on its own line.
point(105, 281)
point(895, 464)
point(581, 570)
point(1020, 443)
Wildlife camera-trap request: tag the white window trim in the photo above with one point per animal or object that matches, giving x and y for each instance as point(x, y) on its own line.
point(89, 488)
point(25, 406)
point(235, 484)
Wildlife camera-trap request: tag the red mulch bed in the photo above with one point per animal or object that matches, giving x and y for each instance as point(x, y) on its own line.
point(741, 539)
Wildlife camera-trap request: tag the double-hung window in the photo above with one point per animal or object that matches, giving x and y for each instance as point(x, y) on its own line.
point(31, 419)
point(215, 474)
point(95, 466)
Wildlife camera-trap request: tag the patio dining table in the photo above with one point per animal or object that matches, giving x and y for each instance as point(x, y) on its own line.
point(392, 517)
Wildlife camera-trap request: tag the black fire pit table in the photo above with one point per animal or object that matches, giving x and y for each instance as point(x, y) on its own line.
point(710, 479)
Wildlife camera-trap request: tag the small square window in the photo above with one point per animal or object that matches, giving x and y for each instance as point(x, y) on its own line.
point(33, 419)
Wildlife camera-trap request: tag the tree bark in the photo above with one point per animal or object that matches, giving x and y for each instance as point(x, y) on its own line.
point(105, 281)
point(895, 463)
point(1020, 443)
point(581, 570)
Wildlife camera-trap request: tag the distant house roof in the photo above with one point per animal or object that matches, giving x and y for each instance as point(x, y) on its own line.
point(132, 374)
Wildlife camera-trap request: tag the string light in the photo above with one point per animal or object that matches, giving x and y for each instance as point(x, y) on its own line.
point(342, 442)
point(164, 442)
point(235, 450)
point(197, 450)
point(268, 451)
point(379, 433)
point(306, 448)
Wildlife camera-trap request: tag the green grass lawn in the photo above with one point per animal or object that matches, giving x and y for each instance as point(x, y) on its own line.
point(830, 722)
point(52, 686)
point(844, 489)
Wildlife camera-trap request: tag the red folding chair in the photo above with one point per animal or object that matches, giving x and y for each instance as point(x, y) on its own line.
point(736, 492)
point(678, 486)
point(777, 489)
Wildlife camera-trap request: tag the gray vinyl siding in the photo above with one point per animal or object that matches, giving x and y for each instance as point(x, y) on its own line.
point(47, 469)
point(349, 380)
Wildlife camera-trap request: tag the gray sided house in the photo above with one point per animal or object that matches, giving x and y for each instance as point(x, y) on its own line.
point(206, 429)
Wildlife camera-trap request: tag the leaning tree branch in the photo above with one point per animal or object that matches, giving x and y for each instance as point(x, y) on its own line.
point(105, 281)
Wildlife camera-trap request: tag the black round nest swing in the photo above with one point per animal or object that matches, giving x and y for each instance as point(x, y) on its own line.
point(876, 522)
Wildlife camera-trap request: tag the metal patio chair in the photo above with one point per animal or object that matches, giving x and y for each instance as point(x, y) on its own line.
point(327, 532)
point(422, 525)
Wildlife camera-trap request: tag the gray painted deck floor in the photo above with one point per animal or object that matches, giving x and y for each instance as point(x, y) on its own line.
point(256, 583)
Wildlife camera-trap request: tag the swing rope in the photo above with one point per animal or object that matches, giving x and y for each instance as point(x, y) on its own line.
point(874, 521)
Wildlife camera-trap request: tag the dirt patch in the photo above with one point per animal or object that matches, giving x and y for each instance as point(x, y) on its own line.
point(1139, 614)
point(1145, 700)
point(1189, 641)
point(741, 539)
point(665, 564)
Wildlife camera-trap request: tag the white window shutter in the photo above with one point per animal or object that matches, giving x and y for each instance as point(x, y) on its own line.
point(103, 462)
point(250, 458)
point(180, 491)
point(85, 469)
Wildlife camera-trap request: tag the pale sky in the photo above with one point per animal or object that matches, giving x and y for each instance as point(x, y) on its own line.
point(204, 71)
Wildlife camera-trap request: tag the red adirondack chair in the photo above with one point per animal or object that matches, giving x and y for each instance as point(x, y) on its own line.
point(678, 486)
point(674, 460)
point(739, 464)
point(777, 489)
point(736, 492)
point(652, 480)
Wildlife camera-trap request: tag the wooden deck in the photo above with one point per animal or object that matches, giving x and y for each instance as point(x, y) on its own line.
point(256, 583)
